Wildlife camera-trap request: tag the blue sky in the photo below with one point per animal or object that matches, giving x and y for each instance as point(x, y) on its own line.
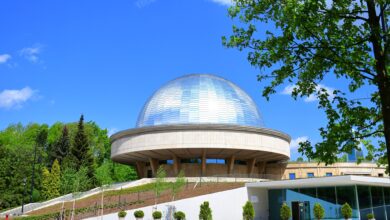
point(59, 59)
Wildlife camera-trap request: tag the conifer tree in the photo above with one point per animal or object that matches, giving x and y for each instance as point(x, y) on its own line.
point(55, 177)
point(62, 145)
point(81, 150)
point(46, 183)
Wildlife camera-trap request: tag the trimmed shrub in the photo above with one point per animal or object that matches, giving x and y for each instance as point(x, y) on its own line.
point(285, 212)
point(248, 212)
point(370, 216)
point(346, 211)
point(122, 214)
point(205, 212)
point(319, 211)
point(157, 215)
point(139, 214)
point(179, 215)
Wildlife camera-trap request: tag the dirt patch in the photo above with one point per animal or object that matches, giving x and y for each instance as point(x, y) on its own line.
point(91, 206)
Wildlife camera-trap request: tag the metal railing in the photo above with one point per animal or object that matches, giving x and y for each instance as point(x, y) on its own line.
point(198, 181)
point(69, 197)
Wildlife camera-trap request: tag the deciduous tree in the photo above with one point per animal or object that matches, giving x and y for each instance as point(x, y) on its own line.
point(304, 42)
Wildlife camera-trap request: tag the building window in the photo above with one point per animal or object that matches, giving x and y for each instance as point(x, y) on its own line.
point(310, 175)
point(328, 174)
point(240, 162)
point(380, 174)
point(292, 176)
point(215, 161)
point(192, 160)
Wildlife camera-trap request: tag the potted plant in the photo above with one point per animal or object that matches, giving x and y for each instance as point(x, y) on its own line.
point(248, 212)
point(205, 212)
point(319, 211)
point(122, 214)
point(179, 215)
point(346, 211)
point(285, 212)
point(157, 215)
point(139, 214)
point(370, 216)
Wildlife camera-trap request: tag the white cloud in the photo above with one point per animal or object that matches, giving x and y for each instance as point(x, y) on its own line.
point(294, 144)
point(4, 58)
point(288, 89)
point(224, 2)
point(31, 53)
point(143, 3)
point(313, 97)
point(15, 98)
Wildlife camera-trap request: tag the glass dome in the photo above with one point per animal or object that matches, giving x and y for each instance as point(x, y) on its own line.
point(199, 99)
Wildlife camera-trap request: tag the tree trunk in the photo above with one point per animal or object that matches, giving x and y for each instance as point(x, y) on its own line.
point(382, 80)
point(384, 91)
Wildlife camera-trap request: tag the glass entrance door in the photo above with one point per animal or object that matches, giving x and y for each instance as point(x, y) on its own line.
point(300, 210)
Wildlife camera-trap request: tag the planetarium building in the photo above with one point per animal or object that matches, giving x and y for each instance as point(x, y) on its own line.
point(208, 126)
point(204, 125)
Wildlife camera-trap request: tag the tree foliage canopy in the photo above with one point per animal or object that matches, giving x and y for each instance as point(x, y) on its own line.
point(311, 41)
point(17, 143)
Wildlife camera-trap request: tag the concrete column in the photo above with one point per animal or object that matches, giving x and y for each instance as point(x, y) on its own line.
point(154, 165)
point(204, 163)
point(231, 164)
point(251, 165)
point(140, 167)
point(176, 164)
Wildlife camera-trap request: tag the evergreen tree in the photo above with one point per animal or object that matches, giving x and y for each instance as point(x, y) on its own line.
point(205, 212)
point(81, 150)
point(248, 212)
point(62, 145)
point(51, 181)
point(55, 178)
point(46, 179)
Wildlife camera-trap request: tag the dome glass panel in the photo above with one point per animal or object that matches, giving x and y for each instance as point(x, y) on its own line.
point(199, 99)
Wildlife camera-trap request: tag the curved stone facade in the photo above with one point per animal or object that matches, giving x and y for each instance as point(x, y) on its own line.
point(240, 148)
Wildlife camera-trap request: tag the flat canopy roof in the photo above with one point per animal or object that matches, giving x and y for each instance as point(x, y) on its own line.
point(321, 182)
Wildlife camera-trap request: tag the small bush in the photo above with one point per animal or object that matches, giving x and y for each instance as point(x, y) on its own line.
point(139, 214)
point(319, 211)
point(157, 215)
point(122, 214)
point(285, 212)
point(248, 212)
point(205, 212)
point(370, 216)
point(179, 215)
point(346, 211)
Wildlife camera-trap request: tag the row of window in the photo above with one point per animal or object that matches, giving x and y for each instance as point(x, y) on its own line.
point(309, 175)
point(363, 199)
point(199, 161)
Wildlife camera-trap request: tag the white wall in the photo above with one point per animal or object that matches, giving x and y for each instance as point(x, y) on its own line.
point(259, 199)
point(226, 205)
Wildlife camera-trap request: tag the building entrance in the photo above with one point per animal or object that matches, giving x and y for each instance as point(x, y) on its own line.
point(300, 210)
